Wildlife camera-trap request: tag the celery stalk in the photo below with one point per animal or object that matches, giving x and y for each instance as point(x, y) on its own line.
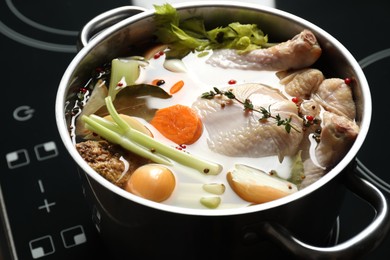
point(122, 71)
point(113, 134)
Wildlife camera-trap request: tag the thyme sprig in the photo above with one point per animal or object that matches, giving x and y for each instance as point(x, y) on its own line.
point(248, 106)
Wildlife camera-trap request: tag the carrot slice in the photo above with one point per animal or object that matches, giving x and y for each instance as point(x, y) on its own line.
point(178, 123)
point(176, 87)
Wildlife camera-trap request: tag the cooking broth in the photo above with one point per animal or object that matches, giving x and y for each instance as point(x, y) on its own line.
point(200, 77)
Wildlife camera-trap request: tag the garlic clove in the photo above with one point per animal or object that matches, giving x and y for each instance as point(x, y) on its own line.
point(210, 202)
point(214, 188)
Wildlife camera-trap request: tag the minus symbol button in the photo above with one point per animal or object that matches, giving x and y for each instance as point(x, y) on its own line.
point(41, 187)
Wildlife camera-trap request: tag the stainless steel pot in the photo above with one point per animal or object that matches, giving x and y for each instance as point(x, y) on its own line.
point(298, 225)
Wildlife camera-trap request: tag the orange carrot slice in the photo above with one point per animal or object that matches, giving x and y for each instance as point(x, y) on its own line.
point(178, 123)
point(176, 87)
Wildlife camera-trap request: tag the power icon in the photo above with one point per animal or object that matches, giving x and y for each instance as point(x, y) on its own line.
point(23, 113)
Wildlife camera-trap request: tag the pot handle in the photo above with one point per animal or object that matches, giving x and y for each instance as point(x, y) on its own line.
point(364, 242)
point(105, 20)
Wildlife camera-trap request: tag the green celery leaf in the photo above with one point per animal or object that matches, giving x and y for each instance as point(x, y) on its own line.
point(183, 37)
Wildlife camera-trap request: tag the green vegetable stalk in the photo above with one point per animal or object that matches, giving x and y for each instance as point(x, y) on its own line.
point(120, 132)
point(112, 133)
point(123, 73)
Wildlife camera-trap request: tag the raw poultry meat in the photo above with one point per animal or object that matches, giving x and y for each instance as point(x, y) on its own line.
point(236, 132)
point(336, 96)
point(299, 52)
point(301, 83)
point(337, 135)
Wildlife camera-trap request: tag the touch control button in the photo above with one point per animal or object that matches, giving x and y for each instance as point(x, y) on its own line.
point(73, 236)
point(23, 113)
point(46, 205)
point(41, 247)
point(46, 150)
point(17, 159)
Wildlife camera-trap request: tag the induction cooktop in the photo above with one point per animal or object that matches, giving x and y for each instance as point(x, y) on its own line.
point(43, 211)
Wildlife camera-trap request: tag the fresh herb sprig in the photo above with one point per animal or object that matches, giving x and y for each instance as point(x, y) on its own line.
point(248, 106)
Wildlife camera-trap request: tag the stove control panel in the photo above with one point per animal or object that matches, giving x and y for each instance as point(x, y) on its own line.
point(45, 215)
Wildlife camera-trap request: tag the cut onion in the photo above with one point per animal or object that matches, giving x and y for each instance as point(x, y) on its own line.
point(256, 186)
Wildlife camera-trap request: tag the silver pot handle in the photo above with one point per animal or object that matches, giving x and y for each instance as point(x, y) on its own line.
point(364, 242)
point(105, 20)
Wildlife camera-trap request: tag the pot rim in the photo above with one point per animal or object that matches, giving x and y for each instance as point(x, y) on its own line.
point(364, 124)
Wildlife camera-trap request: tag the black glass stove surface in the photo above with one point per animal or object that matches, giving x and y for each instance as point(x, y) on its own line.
point(43, 202)
point(43, 211)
